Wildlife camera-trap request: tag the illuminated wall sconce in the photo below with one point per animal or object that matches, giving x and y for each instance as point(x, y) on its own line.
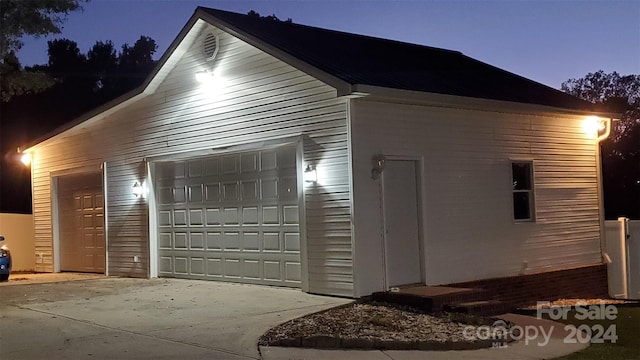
point(593, 125)
point(378, 163)
point(310, 174)
point(204, 76)
point(26, 159)
point(139, 189)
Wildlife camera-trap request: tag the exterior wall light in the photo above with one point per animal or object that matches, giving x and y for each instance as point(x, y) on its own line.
point(310, 174)
point(378, 163)
point(139, 189)
point(594, 126)
point(204, 76)
point(26, 159)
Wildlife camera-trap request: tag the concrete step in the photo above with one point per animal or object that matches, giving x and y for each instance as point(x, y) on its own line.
point(429, 298)
point(480, 308)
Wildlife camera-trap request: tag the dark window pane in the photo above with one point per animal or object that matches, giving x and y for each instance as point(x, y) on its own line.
point(521, 176)
point(521, 203)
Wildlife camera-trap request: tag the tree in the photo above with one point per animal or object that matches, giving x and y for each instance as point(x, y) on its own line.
point(80, 82)
point(135, 62)
point(621, 151)
point(102, 60)
point(15, 81)
point(65, 59)
point(27, 17)
point(273, 17)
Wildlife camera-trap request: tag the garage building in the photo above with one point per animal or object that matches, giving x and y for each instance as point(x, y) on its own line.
point(273, 153)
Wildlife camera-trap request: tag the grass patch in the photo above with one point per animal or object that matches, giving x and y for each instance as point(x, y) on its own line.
point(627, 328)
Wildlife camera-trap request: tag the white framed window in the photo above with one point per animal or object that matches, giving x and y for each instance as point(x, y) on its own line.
point(522, 188)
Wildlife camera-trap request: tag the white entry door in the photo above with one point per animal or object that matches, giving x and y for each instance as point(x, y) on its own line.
point(401, 223)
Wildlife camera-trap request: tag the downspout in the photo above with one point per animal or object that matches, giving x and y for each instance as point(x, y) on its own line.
point(599, 139)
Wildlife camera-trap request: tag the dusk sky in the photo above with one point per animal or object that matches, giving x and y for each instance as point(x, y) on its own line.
point(546, 41)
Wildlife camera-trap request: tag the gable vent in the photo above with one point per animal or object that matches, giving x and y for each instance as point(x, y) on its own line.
point(210, 46)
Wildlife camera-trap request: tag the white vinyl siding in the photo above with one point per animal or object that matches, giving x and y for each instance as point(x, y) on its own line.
point(260, 99)
point(469, 232)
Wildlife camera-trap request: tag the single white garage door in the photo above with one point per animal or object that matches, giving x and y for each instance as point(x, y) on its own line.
point(81, 221)
point(232, 217)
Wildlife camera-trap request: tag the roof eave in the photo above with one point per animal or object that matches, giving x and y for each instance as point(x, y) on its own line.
point(370, 92)
point(342, 87)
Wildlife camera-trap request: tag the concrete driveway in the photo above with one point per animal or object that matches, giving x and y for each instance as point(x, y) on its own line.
point(120, 318)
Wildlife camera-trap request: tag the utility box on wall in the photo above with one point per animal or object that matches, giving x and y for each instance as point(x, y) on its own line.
point(622, 249)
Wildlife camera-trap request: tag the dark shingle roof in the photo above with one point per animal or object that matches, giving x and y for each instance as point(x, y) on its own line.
point(365, 60)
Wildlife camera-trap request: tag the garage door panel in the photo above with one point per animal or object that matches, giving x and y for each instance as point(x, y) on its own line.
point(77, 203)
point(230, 191)
point(270, 215)
point(292, 271)
point(288, 188)
point(230, 216)
point(250, 241)
point(211, 166)
point(164, 241)
point(194, 168)
point(179, 195)
point(90, 241)
point(271, 242)
point(272, 270)
point(87, 202)
point(179, 217)
point(230, 241)
point(87, 221)
point(232, 268)
point(213, 217)
point(196, 193)
point(286, 158)
point(196, 217)
point(164, 218)
point(290, 213)
point(181, 265)
point(230, 164)
point(165, 195)
point(165, 265)
point(268, 160)
point(180, 240)
point(249, 189)
point(214, 241)
point(250, 216)
point(197, 265)
point(251, 269)
point(269, 189)
point(249, 163)
point(212, 192)
point(241, 222)
point(292, 242)
point(214, 267)
point(196, 241)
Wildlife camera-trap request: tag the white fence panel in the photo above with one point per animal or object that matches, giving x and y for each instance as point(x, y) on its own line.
point(19, 237)
point(622, 247)
point(633, 259)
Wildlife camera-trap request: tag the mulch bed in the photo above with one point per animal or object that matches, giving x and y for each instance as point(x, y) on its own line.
point(383, 326)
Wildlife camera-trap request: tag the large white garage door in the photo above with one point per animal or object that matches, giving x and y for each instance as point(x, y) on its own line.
point(231, 217)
